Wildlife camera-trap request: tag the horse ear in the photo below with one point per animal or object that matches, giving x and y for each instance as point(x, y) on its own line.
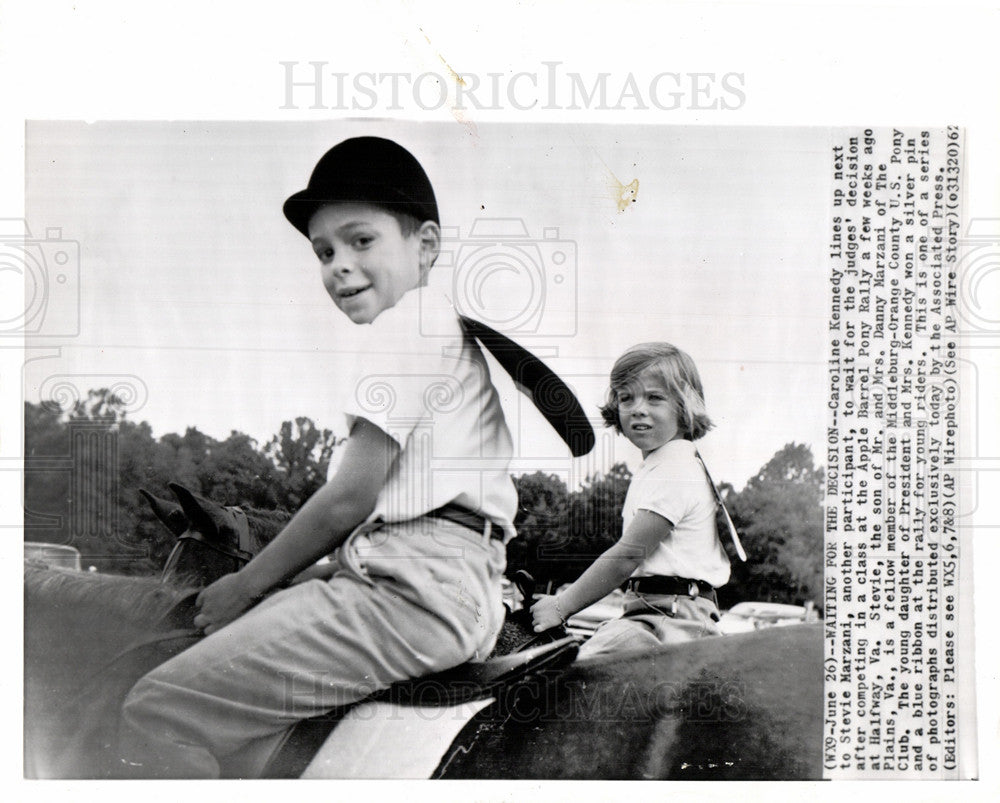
point(204, 515)
point(169, 513)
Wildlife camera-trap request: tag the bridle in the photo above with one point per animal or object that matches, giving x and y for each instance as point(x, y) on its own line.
point(242, 554)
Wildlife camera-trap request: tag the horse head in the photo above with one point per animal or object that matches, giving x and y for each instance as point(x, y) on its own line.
point(170, 514)
point(212, 540)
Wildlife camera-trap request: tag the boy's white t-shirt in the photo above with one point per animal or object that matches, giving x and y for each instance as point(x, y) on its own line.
point(427, 385)
point(672, 483)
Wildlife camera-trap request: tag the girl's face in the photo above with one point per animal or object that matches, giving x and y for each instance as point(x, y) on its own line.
point(648, 415)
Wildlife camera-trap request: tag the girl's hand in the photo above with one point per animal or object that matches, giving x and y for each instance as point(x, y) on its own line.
point(546, 614)
point(222, 602)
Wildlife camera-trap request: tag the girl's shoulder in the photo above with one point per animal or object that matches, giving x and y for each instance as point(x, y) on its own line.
point(677, 470)
point(676, 457)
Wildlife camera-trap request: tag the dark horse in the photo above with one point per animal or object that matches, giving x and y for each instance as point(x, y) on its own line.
point(212, 540)
point(736, 707)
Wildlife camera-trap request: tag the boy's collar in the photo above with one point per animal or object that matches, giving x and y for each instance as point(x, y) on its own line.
point(418, 312)
point(405, 308)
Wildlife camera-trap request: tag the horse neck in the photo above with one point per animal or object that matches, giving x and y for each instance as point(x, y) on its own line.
point(97, 600)
point(195, 565)
point(264, 525)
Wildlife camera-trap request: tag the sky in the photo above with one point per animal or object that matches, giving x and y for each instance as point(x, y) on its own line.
point(201, 304)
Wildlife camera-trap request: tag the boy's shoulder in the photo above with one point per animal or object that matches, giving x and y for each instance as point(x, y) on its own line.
point(408, 356)
point(421, 322)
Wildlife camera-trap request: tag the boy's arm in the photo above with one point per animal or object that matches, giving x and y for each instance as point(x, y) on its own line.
point(606, 573)
point(319, 527)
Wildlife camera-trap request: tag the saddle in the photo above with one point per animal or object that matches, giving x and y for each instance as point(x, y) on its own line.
point(500, 679)
point(496, 681)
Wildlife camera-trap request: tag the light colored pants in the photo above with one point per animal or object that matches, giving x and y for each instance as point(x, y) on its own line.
point(652, 620)
point(406, 600)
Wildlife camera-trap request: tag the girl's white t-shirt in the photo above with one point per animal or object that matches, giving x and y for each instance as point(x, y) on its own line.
point(672, 483)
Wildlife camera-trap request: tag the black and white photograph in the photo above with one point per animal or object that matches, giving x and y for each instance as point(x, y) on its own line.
point(598, 250)
point(438, 422)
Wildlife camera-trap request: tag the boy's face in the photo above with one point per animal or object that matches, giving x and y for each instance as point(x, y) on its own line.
point(367, 264)
point(647, 413)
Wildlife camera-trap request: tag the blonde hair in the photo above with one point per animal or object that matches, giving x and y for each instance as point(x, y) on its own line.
point(680, 378)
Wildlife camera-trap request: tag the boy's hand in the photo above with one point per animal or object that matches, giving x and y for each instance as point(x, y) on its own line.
point(545, 614)
point(222, 602)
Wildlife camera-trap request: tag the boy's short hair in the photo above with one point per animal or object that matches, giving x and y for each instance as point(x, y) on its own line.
point(680, 377)
point(367, 170)
point(408, 224)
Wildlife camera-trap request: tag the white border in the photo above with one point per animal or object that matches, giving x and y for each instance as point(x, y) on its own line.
point(821, 64)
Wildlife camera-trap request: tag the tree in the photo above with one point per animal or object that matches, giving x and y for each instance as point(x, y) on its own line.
point(46, 484)
point(540, 523)
point(100, 406)
point(181, 456)
point(84, 468)
point(79, 467)
point(562, 533)
point(595, 518)
point(302, 453)
point(779, 517)
point(236, 472)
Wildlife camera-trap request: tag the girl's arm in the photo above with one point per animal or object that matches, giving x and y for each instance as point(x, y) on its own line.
point(606, 573)
point(319, 527)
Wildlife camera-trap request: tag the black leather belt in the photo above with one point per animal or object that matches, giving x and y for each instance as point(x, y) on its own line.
point(465, 517)
point(679, 586)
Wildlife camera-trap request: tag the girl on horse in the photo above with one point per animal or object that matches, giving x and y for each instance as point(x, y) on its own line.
point(669, 554)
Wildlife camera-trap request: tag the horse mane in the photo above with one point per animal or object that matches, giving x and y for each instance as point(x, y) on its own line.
point(137, 600)
point(264, 525)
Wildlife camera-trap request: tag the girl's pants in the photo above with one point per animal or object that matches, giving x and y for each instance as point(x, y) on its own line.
point(652, 620)
point(407, 599)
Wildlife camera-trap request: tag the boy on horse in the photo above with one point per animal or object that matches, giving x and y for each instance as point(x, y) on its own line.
point(417, 512)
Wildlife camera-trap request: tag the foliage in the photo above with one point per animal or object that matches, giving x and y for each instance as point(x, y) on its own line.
point(302, 453)
point(780, 520)
point(84, 467)
point(778, 515)
point(561, 533)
